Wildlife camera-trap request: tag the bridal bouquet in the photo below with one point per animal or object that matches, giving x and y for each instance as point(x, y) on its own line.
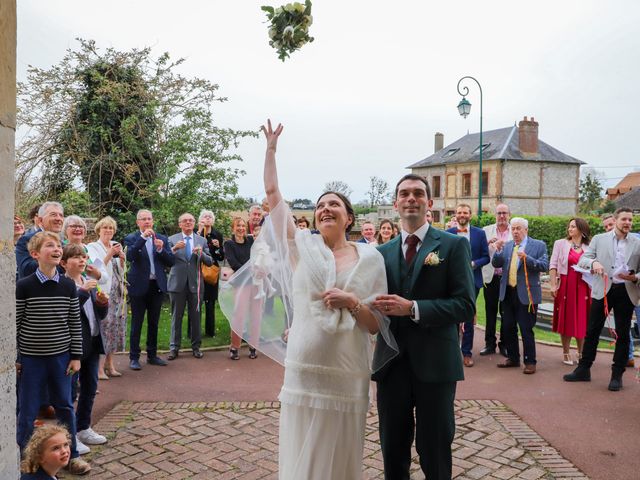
point(289, 27)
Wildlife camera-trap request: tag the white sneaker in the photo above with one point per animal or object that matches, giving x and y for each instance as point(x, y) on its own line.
point(81, 447)
point(90, 437)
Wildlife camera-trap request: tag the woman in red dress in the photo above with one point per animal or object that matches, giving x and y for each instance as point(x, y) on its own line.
point(572, 295)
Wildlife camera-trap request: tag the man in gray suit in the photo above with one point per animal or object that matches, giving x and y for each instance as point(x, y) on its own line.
point(614, 260)
point(185, 283)
point(521, 259)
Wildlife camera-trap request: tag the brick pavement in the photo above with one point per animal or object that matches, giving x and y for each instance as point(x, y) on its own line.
point(239, 441)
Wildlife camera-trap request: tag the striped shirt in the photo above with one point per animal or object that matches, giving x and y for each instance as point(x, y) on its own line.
point(48, 316)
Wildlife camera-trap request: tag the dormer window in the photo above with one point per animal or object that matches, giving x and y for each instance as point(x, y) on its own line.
point(484, 147)
point(450, 152)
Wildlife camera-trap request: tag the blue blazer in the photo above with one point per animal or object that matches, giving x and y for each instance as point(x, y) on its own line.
point(537, 261)
point(25, 263)
point(139, 267)
point(479, 252)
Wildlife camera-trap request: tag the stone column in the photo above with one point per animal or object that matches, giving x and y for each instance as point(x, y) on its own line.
point(8, 448)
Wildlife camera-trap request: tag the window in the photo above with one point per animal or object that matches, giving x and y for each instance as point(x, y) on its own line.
point(436, 187)
point(484, 147)
point(436, 216)
point(485, 183)
point(466, 184)
point(451, 186)
point(450, 152)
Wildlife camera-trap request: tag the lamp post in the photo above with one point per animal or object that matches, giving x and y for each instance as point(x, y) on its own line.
point(464, 108)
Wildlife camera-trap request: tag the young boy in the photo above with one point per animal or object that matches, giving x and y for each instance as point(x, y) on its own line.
point(49, 340)
point(93, 308)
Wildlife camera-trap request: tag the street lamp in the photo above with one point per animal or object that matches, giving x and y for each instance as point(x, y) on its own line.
point(464, 108)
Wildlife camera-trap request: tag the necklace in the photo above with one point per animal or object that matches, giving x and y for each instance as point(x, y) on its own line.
point(576, 246)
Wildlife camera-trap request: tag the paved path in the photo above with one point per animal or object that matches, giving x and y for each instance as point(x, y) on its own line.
point(239, 441)
point(583, 423)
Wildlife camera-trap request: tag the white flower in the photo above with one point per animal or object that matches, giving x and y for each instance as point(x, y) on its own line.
point(299, 7)
point(290, 7)
point(288, 31)
point(307, 20)
point(432, 260)
point(278, 11)
point(272, 33)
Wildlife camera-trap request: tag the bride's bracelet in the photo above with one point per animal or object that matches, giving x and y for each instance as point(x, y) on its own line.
point(355, 310)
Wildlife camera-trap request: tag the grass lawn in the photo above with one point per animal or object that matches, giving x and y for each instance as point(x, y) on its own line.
point(540, 333)
point(164, 330)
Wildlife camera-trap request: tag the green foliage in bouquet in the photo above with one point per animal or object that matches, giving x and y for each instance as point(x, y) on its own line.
point(289, 27)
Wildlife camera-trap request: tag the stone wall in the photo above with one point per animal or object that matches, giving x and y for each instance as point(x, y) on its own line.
point(8, 449)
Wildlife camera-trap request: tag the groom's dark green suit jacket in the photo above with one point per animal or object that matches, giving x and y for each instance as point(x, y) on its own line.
point(445, 295)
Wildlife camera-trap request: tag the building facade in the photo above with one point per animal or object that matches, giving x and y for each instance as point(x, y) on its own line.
point(532, 177)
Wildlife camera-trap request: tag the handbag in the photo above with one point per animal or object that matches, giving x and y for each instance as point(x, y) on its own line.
point(210, 274)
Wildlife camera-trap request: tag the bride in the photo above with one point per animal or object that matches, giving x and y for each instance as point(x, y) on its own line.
point(326, 284)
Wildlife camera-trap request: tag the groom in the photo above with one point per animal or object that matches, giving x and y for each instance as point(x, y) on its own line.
point(431, 290)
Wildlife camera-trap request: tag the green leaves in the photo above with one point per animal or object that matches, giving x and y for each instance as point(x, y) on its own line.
point(289, 27)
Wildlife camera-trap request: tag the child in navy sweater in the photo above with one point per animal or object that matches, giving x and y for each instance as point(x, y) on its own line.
point(49, 341)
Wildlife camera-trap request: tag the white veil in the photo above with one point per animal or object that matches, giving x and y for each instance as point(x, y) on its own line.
point(258, 298)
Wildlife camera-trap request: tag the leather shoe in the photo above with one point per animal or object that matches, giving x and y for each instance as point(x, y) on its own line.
point(468, 361)
point(503, 351)
point(173, 354)
point(134, 364)
point(508, 363)
point(631, 363)
point(580, 374)
point(529, 369)
point(197, 353)
point(156, 361)
point(615, 384)
point(487, 351)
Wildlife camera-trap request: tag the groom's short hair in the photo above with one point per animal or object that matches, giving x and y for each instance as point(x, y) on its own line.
point(413, 176)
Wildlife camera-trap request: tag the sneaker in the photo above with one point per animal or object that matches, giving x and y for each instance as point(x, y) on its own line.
point(81, 447)
point(90, 437)
point(77, 466)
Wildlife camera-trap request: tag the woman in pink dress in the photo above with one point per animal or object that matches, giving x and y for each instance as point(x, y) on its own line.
point(572, 295)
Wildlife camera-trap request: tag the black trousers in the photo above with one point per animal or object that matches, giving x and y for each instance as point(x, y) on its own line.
point(399, 393)
point(516, 314)
point(492, 306)
point(618, 301)
point(210, 297)
point(151, 303)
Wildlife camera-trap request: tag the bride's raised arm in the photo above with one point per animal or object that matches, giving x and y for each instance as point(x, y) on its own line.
point(274, 197)
point(270, 171)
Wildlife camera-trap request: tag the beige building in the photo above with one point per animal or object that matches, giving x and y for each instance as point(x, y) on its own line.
point(532, 177)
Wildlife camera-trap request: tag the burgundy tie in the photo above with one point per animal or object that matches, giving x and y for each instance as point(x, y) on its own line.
point(412, 243)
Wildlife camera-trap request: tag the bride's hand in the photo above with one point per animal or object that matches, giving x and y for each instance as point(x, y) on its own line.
point(272, 135)
point(335, 298)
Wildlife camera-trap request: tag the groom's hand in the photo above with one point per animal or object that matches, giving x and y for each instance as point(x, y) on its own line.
point(393, 305)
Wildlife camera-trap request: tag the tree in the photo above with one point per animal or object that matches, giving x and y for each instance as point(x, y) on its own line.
point(339, 187)
point(590, 193)
point(377, 191)
point(129, 131)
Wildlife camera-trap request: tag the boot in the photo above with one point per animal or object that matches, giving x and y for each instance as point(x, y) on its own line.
point(580, 374)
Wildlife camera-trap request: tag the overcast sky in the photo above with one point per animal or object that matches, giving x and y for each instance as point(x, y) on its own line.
point(367, 97)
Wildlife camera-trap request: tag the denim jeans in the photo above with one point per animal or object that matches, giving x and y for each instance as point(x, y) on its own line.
point(50, 371)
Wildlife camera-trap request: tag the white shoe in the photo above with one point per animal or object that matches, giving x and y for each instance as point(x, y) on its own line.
point(81, 447)
point(90, 437)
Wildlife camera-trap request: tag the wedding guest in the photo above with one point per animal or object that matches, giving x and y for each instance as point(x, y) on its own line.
point(50, 218)
point(74, 230)
point(206, 220)
point(255, 218)
point(93, 308)
point(368, 231)
point(186, 284)
point(47, 452)
point(36, 224)
point(608, 222)
point(521, 259)
point(572, 296)
point(429, 216)
point(113, 326)
point(148, 254)
point(614, 251)
point(453, 223)
point(479, 257)
point(497, 234)
point(303, 223)
point(18, 229)
point(385, 232)
point(238, 251)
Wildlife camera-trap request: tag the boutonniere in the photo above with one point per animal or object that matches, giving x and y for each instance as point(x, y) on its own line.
point(433, 259)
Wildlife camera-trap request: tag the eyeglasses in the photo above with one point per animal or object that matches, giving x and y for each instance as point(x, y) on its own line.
point(76, 227)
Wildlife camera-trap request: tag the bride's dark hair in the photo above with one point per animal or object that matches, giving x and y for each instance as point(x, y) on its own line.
point(347, 205)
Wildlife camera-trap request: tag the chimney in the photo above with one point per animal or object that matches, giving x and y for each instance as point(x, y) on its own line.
point(528, 136)
point(439, 142)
